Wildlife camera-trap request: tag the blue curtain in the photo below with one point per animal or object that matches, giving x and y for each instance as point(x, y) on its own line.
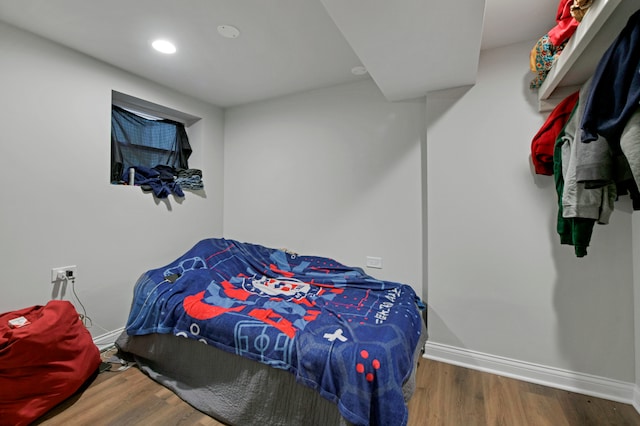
point(138, 141)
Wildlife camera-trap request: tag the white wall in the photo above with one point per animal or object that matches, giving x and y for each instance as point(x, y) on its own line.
point(58, 207)
point(636, 303)
point(499, 282)
point(332, 172)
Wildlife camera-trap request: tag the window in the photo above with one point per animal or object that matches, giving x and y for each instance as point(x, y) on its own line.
point(146, 134)
point(149, 142)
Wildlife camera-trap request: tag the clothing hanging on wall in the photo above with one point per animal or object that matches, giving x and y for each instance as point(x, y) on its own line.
point(544, 141)
point(630, 144)
point(580, 207)
point(596, 154)
point(615, 91)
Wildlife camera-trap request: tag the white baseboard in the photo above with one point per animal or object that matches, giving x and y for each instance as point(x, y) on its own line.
point(636, 398)
point(107, 340)
point(572, 381)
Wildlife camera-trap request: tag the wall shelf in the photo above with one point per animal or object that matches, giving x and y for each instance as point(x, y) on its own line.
point(599, 28)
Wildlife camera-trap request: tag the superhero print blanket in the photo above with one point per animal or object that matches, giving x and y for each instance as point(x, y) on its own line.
point(338, 330)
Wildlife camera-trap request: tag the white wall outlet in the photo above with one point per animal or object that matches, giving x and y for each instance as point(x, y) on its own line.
point(63, 273)
point(374, 262)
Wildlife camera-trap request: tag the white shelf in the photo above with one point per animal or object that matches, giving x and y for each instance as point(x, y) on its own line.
point(576, 63)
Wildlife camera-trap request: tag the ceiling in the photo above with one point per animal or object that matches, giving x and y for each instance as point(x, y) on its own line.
point(409, 47)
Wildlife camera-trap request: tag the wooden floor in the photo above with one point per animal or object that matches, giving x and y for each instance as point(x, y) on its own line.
point(446, 395)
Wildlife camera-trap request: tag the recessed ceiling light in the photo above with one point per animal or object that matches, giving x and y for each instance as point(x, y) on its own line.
point(228, 31)
point(359, 70)
point(164, 46)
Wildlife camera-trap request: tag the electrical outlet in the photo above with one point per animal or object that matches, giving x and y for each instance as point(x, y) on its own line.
point(374, 262)
point(63, 273)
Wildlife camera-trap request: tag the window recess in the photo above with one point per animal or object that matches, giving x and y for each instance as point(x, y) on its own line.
point(147, 135)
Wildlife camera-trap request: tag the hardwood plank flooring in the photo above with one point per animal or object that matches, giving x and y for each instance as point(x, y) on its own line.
point(446, 395)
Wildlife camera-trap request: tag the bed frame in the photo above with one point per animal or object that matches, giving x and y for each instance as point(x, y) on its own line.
point(233, 389)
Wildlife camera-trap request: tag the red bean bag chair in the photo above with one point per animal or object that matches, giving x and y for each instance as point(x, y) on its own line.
point(44, 361)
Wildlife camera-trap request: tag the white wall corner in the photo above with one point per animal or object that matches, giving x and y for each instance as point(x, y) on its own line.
point(107, 340)
point(587, 384)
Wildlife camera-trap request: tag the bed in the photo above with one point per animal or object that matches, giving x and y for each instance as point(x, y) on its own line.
point(255, 335)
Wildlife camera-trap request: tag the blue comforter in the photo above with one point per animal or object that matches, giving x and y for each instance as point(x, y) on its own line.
point(338, 330)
